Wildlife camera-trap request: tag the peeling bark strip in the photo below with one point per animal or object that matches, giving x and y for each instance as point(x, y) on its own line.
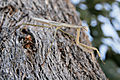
point(23, 50)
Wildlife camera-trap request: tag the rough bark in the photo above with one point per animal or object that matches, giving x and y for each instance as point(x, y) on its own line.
point(23, 50)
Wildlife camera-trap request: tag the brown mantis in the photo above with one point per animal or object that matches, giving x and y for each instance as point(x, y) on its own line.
point(58, 25)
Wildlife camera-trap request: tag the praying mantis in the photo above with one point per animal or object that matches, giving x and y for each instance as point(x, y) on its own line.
point(59, 25)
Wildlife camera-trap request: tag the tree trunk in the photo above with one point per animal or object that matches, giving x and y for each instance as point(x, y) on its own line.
point(23, 49)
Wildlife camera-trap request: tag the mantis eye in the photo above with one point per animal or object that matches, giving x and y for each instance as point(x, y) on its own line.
point(85, 28)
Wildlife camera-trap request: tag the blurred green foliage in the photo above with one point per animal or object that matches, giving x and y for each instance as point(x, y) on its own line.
point(89, 11)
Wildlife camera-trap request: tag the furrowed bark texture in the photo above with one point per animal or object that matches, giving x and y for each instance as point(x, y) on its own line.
point(23, 48)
